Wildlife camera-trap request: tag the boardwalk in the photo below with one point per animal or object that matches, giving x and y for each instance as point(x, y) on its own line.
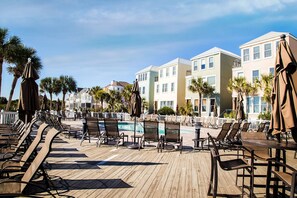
point(122, 172)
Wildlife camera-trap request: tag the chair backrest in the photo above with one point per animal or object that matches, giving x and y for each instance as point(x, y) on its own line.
point(224, 131)
point(261, 127)
point(234, 130)
point(216, 153)
point(245, 127)
point(111, 127)
point(25, 134)
point(93, 126)
point(150, 130)
point(34, 144)
point(39, 159)
point(172, 131)
point(253, 136)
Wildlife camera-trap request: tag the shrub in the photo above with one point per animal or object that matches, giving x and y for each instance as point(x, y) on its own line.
point(165, 111)
point(264, 115)
point(232, 114)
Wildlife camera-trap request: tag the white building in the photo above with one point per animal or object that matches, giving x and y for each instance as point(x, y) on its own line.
point(170, 84)
point(215, 67)
point(79, 100)
point(146, 79)
point(257, 58)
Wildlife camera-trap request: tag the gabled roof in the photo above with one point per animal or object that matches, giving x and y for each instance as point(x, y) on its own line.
point(213, 51)
point(149, 68)
point(266, 37)
point(176, 61)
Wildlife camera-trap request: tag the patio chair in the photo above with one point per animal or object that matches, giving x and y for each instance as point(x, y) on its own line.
point(16, 185)
point(233, 132)
point(112, 132)
point(260, 155)
point(288, 176)
point(18, 163)
point(91, 130)
point(245, 127)
point(150, 133)
point(172, 135)
point(219, 140)
point(227, 165)
point(262, 126)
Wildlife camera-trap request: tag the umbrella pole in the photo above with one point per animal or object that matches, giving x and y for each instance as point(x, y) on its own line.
point(134, 129)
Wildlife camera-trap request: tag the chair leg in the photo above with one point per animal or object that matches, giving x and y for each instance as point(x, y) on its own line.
point(268, 178)
point(210, 186)
point(82, 138)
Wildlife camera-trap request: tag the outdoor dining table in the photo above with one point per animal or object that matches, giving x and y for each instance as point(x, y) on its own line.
point(273, 144)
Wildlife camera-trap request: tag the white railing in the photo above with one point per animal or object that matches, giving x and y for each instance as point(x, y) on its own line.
point(7, 117)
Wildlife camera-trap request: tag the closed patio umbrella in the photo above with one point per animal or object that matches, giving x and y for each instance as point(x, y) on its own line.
point(239, 109)
point(29, 100)
point(135, 110)
point(284, 92)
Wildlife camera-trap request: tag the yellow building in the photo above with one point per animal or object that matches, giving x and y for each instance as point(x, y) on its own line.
point(170, 84)
point(257, 58)
point(215, 67)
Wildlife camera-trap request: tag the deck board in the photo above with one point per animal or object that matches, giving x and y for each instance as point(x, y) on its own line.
point(109, 172)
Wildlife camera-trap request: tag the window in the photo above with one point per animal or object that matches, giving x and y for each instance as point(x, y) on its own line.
point(195, 66)
point(267, 50)
point(256, 104)
point(204, 105)
point(157, 89)
point(240, 74)
point(161, 73)
point(256, 52)
point(212, 104)
point(271, 70)
point(170, 104)
point(167, 71)
point(210, 62)
point(248, 105)
point(276, 45)
point(246, 55)
point(164, 87)
point(255, 75)
point(172, 87)
point(202, 64)
point(173, 71)
point(196, 104)
point(211, 80)
point(143, 90)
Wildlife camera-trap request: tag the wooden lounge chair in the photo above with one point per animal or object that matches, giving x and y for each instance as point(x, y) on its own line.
point(112, 132)
point(227, 165)
point(18, 163)
point(172, 135)
point(233, 132)
point(150, 133)
point(92, 129)
point(16, 185)
point(219, 140)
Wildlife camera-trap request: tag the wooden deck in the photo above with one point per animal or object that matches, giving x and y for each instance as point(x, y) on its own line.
point(110, 172)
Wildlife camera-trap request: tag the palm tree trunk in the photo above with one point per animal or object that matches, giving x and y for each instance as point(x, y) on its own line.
point(14, 81)
point(200, 105)
point(1, 68)
point(51, 100)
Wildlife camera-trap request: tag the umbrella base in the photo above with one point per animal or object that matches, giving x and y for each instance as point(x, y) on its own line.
point(133, 146)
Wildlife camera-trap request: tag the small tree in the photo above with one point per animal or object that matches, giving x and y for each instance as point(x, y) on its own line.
point(165, 111)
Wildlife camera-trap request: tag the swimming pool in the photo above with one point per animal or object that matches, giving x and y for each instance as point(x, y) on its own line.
point(129, 126)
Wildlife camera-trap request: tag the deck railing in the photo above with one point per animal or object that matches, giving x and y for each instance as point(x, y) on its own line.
point(8, 117)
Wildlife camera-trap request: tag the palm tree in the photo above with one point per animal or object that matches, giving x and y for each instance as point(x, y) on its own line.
point(19, 59)
point(68, 84)
point(93, 92)
point(115, 97)
point(202, 88)
point(7, 46)
point(126, 94)
point(102, 96)
point(266, 86)
point(50, 85)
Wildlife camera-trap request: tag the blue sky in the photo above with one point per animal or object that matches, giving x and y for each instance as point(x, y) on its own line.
point(97, 41)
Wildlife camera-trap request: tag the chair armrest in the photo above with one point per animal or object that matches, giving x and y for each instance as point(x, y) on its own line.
point(282, 164)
